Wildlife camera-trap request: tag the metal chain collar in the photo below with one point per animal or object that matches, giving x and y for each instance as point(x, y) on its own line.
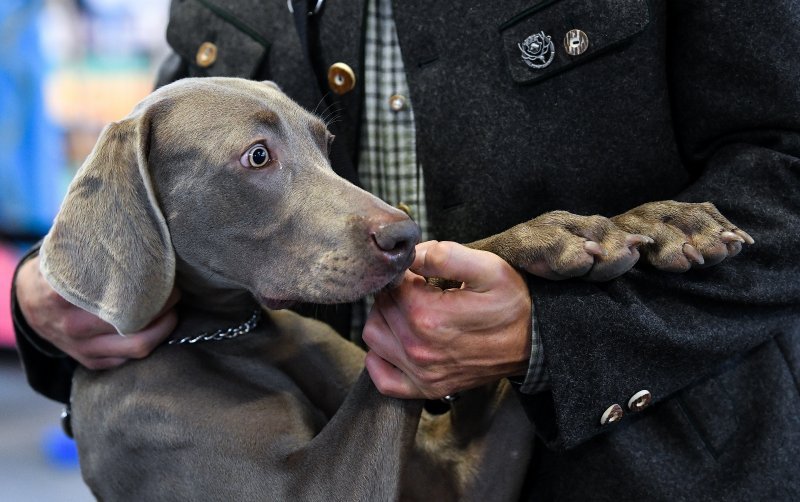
point(222, 334)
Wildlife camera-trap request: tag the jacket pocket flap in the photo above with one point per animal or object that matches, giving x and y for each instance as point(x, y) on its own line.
point(535, 40)
point(213, 41)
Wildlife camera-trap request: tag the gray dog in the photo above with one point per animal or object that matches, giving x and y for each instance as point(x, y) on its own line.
point(223, 188)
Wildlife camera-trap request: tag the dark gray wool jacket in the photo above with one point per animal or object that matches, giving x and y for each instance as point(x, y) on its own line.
point(693, 100)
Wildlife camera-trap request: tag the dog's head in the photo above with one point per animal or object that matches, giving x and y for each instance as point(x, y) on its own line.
point(228, 181)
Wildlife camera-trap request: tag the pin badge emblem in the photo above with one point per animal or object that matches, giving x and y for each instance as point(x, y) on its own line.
point(576, 42)
point(538, 50)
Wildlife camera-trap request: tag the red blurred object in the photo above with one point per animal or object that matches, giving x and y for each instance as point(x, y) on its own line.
point(8, 261)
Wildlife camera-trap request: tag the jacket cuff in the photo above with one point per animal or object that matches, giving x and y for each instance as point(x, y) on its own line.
point(537, 379)
point(23, 331)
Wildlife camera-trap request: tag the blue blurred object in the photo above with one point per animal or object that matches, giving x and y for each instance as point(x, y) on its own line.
point(32, 159)
point(59, 450)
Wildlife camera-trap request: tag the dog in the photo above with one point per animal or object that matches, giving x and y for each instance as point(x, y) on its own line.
point(223, 187)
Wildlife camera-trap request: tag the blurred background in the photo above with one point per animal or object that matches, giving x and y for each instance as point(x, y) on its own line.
point(67, 68)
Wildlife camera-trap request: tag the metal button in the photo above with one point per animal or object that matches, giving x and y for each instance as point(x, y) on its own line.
point(405, 208)
point(341, 78)
point(612, 414)
point(576, 42)
point(640, 400)
point(206, 55)
point(397, 102)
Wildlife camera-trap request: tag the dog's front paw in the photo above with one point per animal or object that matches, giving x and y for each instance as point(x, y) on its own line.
point(561, 245)
point(685, 235)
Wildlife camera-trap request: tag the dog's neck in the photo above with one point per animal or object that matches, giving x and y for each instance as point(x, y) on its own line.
point(202, 297)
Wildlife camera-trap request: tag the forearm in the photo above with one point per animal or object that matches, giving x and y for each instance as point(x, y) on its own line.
point(48, 370)
point(662, 332)
point(737, 132)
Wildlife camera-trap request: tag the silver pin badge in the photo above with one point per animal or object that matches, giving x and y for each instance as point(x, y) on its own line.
point(538, 50)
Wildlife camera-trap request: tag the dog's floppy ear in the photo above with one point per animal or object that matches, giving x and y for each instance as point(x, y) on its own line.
point(109, 250)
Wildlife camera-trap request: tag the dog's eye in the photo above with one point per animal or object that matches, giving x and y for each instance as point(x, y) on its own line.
point(256, 156)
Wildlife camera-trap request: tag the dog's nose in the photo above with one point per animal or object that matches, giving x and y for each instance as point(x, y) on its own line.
point(397, 238)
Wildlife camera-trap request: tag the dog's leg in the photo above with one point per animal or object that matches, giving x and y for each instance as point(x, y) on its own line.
point(685, 235)
point(242, 428)
point(673, 236)
point(560, 245)
point(479, 450)
point(360, 453)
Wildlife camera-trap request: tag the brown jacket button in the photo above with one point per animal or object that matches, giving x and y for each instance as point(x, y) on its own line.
point(397, 102)
point(640, 400)
point(206, 55)
point(612, 414)
point(341, 78)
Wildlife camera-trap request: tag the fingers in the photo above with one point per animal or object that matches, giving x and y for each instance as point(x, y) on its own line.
point(107, 350)
point(83, 336)
point(103, 363)
point(389, 380)
point(427, 342)
point(478, 270)
point(386, 355)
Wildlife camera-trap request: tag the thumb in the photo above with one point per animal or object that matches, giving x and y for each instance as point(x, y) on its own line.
point(478, 270)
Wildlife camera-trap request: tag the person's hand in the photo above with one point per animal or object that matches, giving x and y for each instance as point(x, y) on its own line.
point(81, 335)
point(425, 342)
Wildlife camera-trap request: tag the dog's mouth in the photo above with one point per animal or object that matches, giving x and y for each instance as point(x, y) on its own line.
point(346, 292)
point(396, 280)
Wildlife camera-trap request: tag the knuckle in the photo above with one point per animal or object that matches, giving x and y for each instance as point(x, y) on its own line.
point(422, 322)
point(380, 384)
point(139, 347)
point(69, 325)
point(439, 255)
point(371, 336)
point(386, 387)
point(420, 356)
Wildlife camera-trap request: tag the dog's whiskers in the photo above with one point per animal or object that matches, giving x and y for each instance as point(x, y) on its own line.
point(322, 100)
point(331, 114)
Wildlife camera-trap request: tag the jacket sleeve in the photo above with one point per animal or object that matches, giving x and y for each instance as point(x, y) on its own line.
point(49, 371)
point(733, 81)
